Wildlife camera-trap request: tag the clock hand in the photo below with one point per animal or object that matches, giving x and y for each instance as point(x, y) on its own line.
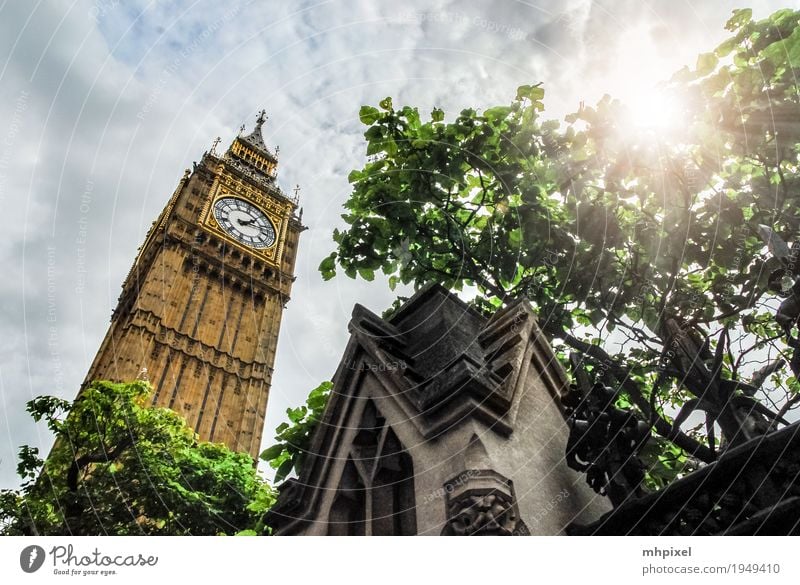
point(246, 221)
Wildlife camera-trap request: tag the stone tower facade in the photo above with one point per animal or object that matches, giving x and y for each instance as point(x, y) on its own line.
point(201, 307)
point(440, 421)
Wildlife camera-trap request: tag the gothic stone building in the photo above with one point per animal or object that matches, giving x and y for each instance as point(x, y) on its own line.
point(201, 307)
point(440, 421)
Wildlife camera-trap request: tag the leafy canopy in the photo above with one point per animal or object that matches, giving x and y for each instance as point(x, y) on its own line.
point(121, 467)
point(618, 235)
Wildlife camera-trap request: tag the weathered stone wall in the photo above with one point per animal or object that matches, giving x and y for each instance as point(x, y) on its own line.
point(474, 404)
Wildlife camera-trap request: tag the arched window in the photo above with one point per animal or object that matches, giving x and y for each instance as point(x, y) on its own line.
point(376, 491)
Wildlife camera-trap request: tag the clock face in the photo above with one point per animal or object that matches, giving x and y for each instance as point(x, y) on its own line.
point(245, 222)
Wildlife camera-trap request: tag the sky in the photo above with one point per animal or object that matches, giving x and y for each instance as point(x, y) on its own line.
point(104, 103)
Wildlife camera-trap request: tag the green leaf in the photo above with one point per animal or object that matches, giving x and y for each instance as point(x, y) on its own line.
point(497, 113)
point(726, 47)
point(369, 115)
point(318, 398)
point(531, 92)
point(740, 17)
point(706, 63)
point(284, 470)
point(328, 267)
point(317, 403)
point(437, 115)
point(272, 452)
point(386, 104)
point(296, 414)
point(323, 389)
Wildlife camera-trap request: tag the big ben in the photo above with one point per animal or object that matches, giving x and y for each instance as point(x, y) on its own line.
point(201, 308)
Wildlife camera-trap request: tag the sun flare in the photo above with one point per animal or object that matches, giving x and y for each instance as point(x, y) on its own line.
point(652, 109)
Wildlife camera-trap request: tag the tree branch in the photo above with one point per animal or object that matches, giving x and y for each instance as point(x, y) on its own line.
point(622, 373)
point(84, 461)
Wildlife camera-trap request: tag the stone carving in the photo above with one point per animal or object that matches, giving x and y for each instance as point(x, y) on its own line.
point(604, 441)
point(432, 383)
point(754, 489)
point(785, 282)
point(481, 515)
point(482, 503)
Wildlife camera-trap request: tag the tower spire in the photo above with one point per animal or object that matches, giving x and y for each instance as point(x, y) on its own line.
point(262, 117)
point(256, 137)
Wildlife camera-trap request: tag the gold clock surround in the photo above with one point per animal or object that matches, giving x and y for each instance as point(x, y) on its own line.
point(277, 212)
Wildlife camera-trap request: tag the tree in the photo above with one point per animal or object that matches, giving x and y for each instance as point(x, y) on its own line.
point(294, 437)
point(121, 467)
point(621, 238)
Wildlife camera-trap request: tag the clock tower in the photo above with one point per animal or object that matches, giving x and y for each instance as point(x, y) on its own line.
point(201, 307)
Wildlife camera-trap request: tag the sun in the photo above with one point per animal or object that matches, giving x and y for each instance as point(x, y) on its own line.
point(635, 72)
point(652, 109)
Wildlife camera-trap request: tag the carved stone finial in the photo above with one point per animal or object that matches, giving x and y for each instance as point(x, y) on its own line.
point(481, 502)
point(604, 442)
point(214, 145)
